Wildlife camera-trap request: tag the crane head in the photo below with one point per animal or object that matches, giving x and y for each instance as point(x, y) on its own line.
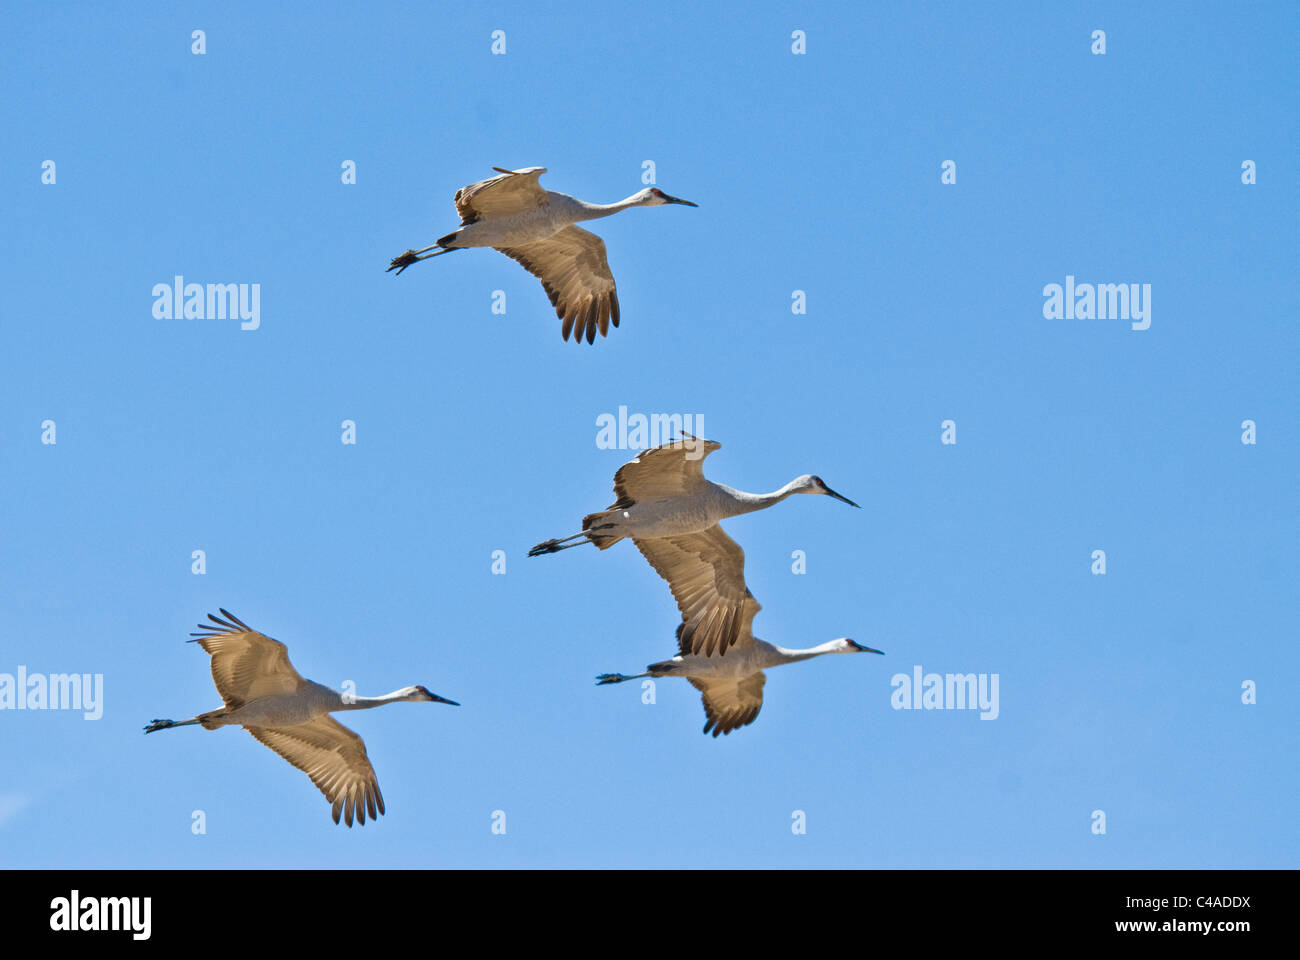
point(420, 694)
point(851, 646)
point(810, 484)
point(654, 197)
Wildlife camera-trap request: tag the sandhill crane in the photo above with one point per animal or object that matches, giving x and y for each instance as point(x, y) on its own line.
point(267, 697)
point(732, 686)
point(513, 214)
point(671, 512)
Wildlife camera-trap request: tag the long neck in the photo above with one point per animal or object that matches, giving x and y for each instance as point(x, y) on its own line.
point(365, 703)
point(749, 502)
point(594, 211)
point(792, 656)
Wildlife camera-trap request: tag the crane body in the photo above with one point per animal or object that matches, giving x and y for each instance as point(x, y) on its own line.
point(512, 214)
point(671, 513)
point(731, 686)
point(265, 695)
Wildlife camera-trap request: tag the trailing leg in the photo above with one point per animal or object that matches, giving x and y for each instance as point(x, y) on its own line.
point(168, 724)
point(605, 678)
point(403, 261)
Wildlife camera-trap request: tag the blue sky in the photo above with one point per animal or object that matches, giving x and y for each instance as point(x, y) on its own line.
point(476, 432)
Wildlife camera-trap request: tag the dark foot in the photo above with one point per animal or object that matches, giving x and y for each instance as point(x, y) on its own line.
point(401, 263)
point(158, 725)
point(610, 678)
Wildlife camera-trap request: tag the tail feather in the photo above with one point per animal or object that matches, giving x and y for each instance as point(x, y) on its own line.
point(593, 522)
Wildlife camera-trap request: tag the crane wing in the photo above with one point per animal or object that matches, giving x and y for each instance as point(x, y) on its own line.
point(335, 759)
point(575, 274)
point(245, 664)
point(706, 573)
point(749, 609)
point(730, 702)
point(671, 470)
point(512, 192)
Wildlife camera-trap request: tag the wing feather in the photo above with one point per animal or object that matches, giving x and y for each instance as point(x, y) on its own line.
point(575, 274)
point(245, 664)
point(335, 759)
point(730, 702)
point(511, 192)
point(706, 573)
point(670, 470)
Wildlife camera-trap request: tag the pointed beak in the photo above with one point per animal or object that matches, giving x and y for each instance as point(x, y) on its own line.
point(684, 203)
point(832, 493)
point(438, 699)
point(861, 649)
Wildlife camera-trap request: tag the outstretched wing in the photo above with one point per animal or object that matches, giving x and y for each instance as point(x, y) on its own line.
point(245, 664)
point(706, 573)
point(575, 275)
point(335, 759)
point(730, 702)
point(512, 192)
point(670, 470)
